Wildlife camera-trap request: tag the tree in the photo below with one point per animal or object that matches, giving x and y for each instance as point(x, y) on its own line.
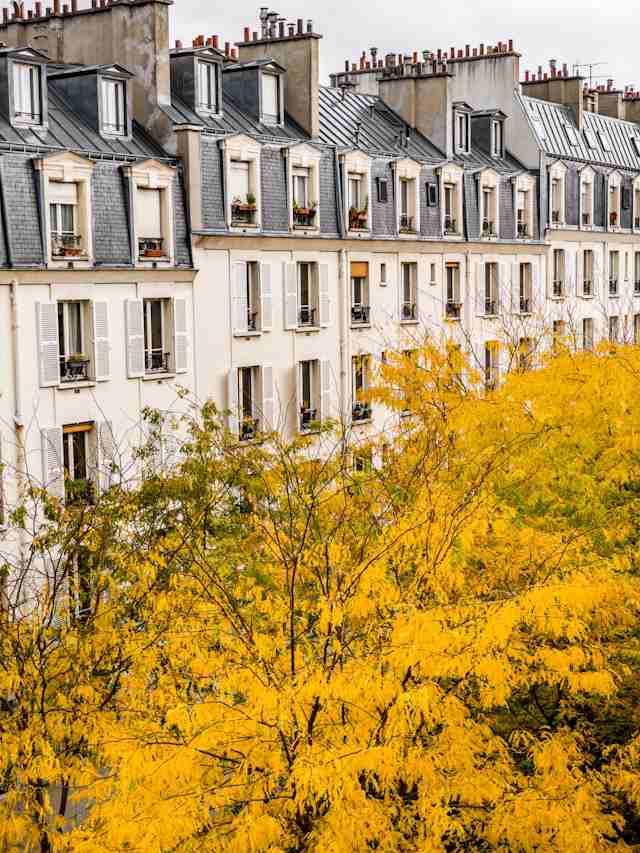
point(434, 651)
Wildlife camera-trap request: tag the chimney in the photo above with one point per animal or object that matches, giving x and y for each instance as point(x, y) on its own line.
point(93, 36)
point(610, 102)
point(299, 53)
point(558, 89)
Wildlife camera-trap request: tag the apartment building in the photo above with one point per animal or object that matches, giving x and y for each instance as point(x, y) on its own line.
point(213, 217)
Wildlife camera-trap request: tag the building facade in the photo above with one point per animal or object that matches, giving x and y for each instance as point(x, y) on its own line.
point(216, 220)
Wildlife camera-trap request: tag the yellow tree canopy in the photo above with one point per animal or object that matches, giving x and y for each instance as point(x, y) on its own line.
point(422, 641)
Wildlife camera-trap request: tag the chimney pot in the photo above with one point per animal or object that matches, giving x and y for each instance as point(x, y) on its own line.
point(346, 65)
point(439, 53)
point(5, 15)
point(214, 41)
point(510, 45)
point(460, 54)
point(300, 24)
point(29, 14)
point(415, 57)
point(178, 44)
point(546, 76)
point(309, 26)
point(227, 48)
point(481, 50)
point(247, 34)
point(354, 67)
point(291, 29)
point(467, 50)
point(48, 10)
point(234, 53)
point(452, 53)
point(474, 52)
point(38, 9)
point(65, 10)
point(526, 76)
point(56, 6)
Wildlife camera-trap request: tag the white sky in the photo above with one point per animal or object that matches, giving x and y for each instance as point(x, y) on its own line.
point(569, 31)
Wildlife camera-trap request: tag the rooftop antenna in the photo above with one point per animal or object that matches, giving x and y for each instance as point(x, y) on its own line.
point(577, 66)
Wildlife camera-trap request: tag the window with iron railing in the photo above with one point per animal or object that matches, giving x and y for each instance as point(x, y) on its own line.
point(587, 272)
point(453, 301)
point(491, 289)
point(636, 272)
point(360, 308)
point(156, 335)
point(558, 273)
point(73, 341)
point(614, 272)
point(409, 283)
point(361, 407)
point(307, 294)
point(525, 288)
point(587, 333)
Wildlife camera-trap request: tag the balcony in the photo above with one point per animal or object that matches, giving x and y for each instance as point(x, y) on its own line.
point(307, 316)
point(523, 229)
point(66, 245)
point(248, 428)
point(450, 226)
point(525, 305)
point(358, 219)
point(252, 320)
point(243, 213)
point(406, 224)
point(151, 247)
point(361, 412)
point(156, 361)
point(558, 288)
point(488, 228)
point(408, 311)
point(307, 418)
point(491, 307)
point(586, 219)
point(360, 314)
point(587, 287)
point(453, 310)
point(74, 368)
point(304, 217)
point(613, 287)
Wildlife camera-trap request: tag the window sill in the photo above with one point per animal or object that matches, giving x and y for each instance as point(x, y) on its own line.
point(76, 261)
point(248, 334)
point(557, 298)
point(152, 377)
point(489, 316)
point(361, 421)
point(359, 232)
point(586, 296)
point(412, 322)
point(147, 262)
point(241, 227)
point(302, 229)
point(301, 330)
point(81, 383)
point(613, 295)
point(360, 325)
point(452, 235)
point(407, 232)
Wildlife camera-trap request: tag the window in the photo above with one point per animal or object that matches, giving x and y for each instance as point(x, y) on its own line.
point(525, 288)
point(496, 138)
point(462, 132)
point(453, 301)
point(450, 209)
point(558, 273)
point(207, 95)
point(614, 203)
point(636, 207)
point(358, 202)
point(383, 273)
point(360, 308)
point(27, 98)
point(614, 272)
point(586, 201)
point(407, 205)
point(354, 192)
point(63, 220)
point(248, 297)
point(571, 134)
point(72, 340)
point(490, 305)
point(361, 408)
point(382, 188)
point(525, 354)
point(300, 188)
point(604, 140)
point(559, 331)
point(75, 453)
point(614, 329)
point(636, 329)
point(522, 213)
point(557, 200)
point(149, 223)
point(636, 272)
point(432, 193)
point(114, 107)
point(491, 365)
point(587, 272)
point(409, 283)
point(307, 294)
point(251, 400)
point(636, 144)
point(247, 388)
point(433, 278)
point(308, 394)
point(243, 200)
point(590, 136)
point(270, 99)
point(156, 325)
point(587, 333)
point(489, 212)
point(304, 204)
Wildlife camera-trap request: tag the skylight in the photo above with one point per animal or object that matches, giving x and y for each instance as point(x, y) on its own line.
point(636, 144)
point(571, 134)
point(590, 136)
point(604, 140)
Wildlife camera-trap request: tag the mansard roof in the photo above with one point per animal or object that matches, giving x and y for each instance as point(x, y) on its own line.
point(548, 122)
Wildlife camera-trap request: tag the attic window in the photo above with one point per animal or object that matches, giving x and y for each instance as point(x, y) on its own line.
point(539, 127)
point(496, 138)
point(604, 140)
point(114, 107)
point(571, 134)
point(590, 136)
point(462, 132)
point(636, 144)
point(270, 99)
point(27, 100)
point(208, 86)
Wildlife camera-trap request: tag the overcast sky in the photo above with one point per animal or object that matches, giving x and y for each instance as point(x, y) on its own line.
point(570, 31)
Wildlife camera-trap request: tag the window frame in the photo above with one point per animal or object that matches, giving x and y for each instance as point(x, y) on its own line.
point(408, 190)
point(462, 131)
point(36, 116)
point(557, 177)
point(409, 270)
point(121, 109)
point(265, 117)
point(497, 138)
point(69, 168)
point(304, 161)
point(213, 73)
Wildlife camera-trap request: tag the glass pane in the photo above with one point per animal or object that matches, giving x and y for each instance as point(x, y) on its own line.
point(270, 97)
point(74, 313)
point(79, 440)
point(304, 285)
point(306, 384)
point(246, 397)
point(53, 215)
point(66, 217)
point(357, 290)
point(156, 325)
point(61, 347)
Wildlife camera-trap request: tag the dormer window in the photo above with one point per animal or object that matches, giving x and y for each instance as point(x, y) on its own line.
point(586, 199)
point(636, 204)
point(66, 182)
point(408, 174)
point(304, 183)
point(462, 132)
point(557, 194)
point(27, 93)
point(63, 220)
point(614, 201)
point(270, 91)
point(207, 90)
point(114, 108)
point(152, 184)
point(489, 204)
point(452, 198)
point(357, 168)
point(497, 143)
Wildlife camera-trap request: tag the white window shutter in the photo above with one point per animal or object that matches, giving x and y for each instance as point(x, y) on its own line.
point(240, 304)
point(266, 298)
point(478, 283)
point(597, 271)
point(107, 467)
point(569, 273)
point(290, 295)
point(48, 356)
point(135, 337)
point(180, 335)
point(53, 461)
point(514, 290)
point(268, 402)
point(325, 299)
point(504, 286)
point(101, 343)
point(232, 400)
point(2, 485)
point(325, 390)
point(298, 385)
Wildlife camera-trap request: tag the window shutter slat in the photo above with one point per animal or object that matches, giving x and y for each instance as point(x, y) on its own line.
point(240, 304)
point(47, 325)
point(148, 209)
point(53, 461)
point(232, 400)
point(267, 419)
point(107, 467)
point(298, 385)
point(325, 298)
point(135, 338)
point(266, 297)
point(325, 390)
point(101, 343)
point(63, 192)
point(180, 335)
point(291, 296)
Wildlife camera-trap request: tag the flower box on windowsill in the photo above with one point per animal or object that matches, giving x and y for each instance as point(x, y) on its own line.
point(243, 213)
point(613, 220)
point(75, 368)
point(150, 248)
point(66, 246)
point(304, 217)
point(361, 412)
point(308, 419)
point(358, 220)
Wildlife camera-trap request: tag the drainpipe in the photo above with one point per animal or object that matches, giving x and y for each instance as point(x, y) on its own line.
point(343, 299)
point(338, 161)
point(396, 218)
point(225, 189)
point(18, 421)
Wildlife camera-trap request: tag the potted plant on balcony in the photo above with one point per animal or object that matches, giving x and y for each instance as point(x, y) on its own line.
point(304, 216)
point(358, 216)
point(76, 366)
point(151, 247)
point(244, 210)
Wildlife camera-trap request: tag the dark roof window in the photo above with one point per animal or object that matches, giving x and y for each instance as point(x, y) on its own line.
point(604, 140)
point(636, 144)
point(590, 136)
point(207, 94)
point(113, 94)
point(572, 136)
